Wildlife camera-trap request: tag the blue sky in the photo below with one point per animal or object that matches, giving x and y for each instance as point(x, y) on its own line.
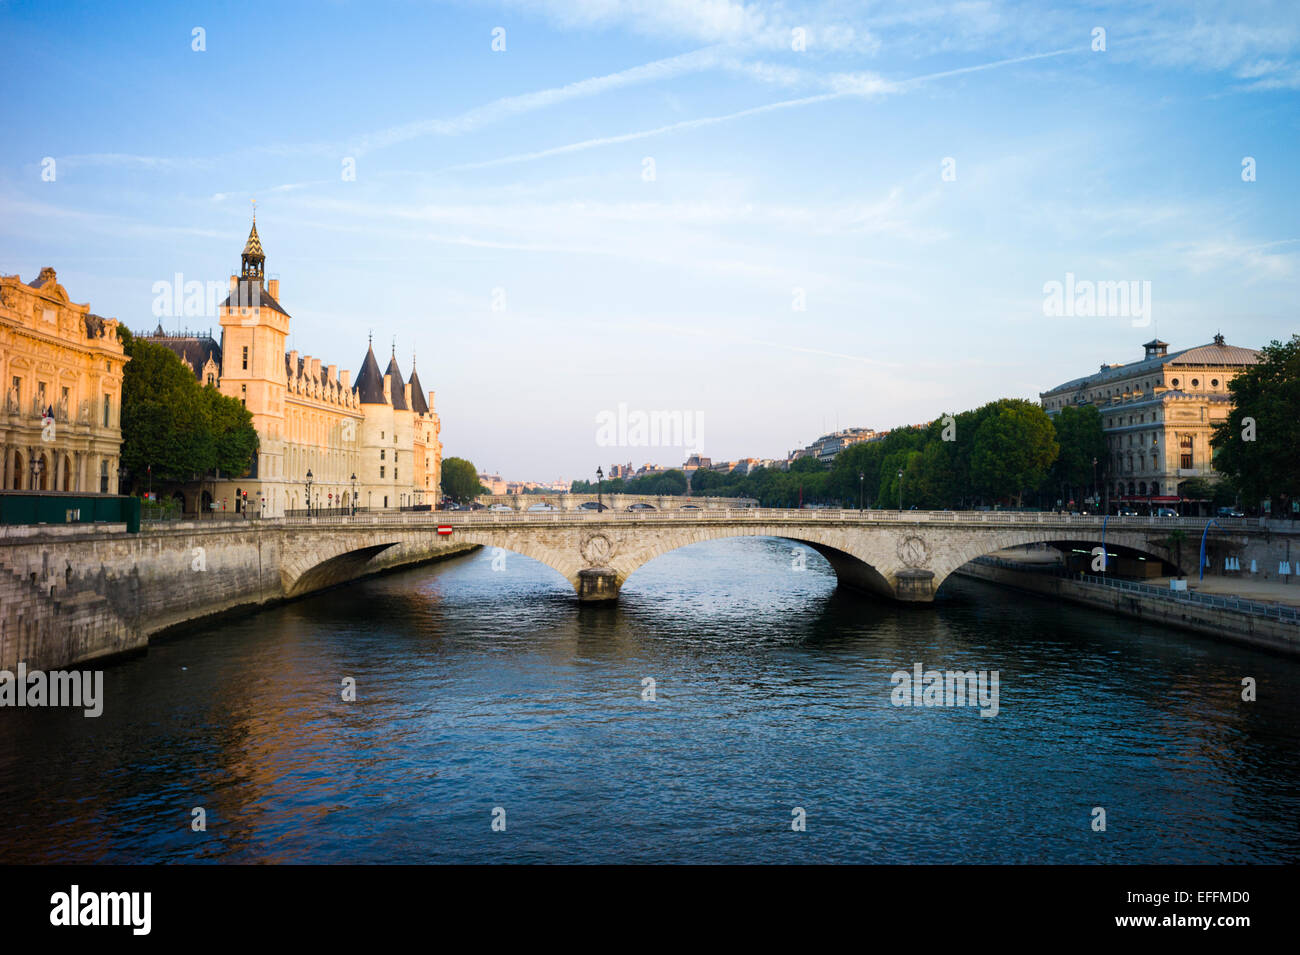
point(519, 177)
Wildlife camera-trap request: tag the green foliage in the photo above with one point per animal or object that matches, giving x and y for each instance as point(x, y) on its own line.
point(175, 426)
point(1082, 440)
point(1013, 449)
point(460, 480)
point(1269, 394)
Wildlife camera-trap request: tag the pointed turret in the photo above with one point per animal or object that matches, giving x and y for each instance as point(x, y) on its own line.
point(370, 382)
point(254, 259)
point(398, 383)
point(418, 404)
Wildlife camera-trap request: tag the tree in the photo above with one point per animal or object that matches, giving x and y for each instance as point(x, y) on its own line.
point(175, 427)
point(1082, 440)
point(1258, 446)
point(460, 480)
point(1013, 449)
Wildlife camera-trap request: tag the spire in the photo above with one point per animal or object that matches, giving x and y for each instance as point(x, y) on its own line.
point(254, 259)
point(399, 384)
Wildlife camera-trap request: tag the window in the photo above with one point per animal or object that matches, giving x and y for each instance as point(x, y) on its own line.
point(103, 477)
point(381, 454)
point(1155, 489)
point(1196, 382)
point(107, 410)
point(394, 474)
point(1185, 446)
point(1174, 382)
point(245, 357)
point(211, 378)
point(381, 474)
point(1214, 382)
point(243, 395)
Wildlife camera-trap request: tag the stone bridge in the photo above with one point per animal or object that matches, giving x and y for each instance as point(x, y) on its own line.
point(76, 592)
point(905, 556)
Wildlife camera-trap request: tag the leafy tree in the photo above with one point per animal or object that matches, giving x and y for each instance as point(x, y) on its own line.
point(460, 480)
point(234, 438)
point(175, 426)
point(1082, 440)
point(1013, 450)
point(1262, 454)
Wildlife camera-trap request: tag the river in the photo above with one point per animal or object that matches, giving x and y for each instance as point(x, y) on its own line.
point(485, 692)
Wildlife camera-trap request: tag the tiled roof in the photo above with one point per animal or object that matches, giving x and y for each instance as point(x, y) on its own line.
point(370, 383)
point(398, 385)
point(1211, 354)
point(254, 244)
point(249, 293)
point(418, 403)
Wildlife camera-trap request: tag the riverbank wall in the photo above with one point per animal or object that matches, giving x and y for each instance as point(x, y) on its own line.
point(1221, 623)
point(73, 593)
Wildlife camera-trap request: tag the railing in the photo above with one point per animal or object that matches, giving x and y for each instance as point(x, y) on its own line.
point(1255, 608)
point(792, 516)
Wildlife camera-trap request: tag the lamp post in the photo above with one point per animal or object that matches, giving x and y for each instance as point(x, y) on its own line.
point(862, 476)
point(900, 489)
point(309, 476)
point(1095, 495)
point(600, 477)
point(354, 495)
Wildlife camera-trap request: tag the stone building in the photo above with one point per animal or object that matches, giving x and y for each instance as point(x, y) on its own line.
point(375, 442)
point(61, 366)
point(1158, 415)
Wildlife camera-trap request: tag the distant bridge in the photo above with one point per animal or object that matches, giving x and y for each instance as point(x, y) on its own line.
point(613, 502)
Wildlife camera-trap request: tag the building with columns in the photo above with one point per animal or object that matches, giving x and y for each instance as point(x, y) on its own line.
point(61, 366)
point(375, 442)
point(1158, 415)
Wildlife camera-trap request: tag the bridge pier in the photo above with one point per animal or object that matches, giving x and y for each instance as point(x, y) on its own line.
point(914, 586)
point(597, 585)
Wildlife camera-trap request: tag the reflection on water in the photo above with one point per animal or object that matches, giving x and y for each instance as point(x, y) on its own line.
point(480, 689)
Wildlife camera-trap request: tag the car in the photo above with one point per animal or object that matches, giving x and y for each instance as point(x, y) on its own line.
point(1127, 512)
point(1165, 512)
point(1230, 512)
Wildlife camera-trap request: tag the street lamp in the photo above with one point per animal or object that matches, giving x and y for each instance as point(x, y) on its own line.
point(900, 489)
point(309, 476)
point(862, 476)
point(354, 495)
point(600, 477)
point(1095, 496)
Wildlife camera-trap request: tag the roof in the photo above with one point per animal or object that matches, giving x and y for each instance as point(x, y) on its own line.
point(254, 244)
point(193, 350)
point(252, 293)
point(398, 386)
point(1212, 354)
point(418, 404)
point(370, 383)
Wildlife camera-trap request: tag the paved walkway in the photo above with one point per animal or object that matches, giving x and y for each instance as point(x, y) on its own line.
point(1246, 587)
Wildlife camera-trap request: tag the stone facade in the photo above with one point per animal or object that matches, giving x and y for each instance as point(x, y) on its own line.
point(1158, 415)
point(374, 443)
point(61, 367)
